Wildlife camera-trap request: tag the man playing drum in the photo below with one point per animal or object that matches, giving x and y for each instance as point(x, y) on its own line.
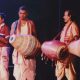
point(4, 48)
point(69, 33)
point(24, 68)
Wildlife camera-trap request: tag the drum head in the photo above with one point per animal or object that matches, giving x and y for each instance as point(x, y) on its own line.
point(63, 54)
point(12, 38)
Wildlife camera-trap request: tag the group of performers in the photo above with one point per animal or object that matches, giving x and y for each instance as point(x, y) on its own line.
point(25, 68)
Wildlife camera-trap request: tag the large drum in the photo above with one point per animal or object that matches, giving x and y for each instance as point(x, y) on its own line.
point(74, 48)
point(26, 45)
point(54, 50)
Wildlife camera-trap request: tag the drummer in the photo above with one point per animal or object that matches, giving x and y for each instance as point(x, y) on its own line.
point(69, 33)
point(24, 68)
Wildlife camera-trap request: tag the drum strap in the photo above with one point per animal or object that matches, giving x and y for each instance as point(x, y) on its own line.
point(57, 36)
point(61, 31)
point(68, 28)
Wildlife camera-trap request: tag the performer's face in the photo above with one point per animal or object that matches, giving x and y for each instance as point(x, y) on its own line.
point(22, 14)
point(66, 16)
point(1, 20)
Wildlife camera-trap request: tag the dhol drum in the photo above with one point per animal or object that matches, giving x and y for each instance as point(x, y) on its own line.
point(54, 50)
point(27, 45)
point(74, 48)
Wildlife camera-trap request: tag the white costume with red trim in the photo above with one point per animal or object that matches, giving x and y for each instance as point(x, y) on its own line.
point(24, 69)
point(70, 30)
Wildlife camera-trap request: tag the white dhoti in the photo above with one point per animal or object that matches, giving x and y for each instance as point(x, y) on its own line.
point(4, 60)
point(24, 69)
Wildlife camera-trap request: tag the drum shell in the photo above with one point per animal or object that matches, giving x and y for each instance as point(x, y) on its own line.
point(26, 45)
point(74, 48)
point(52, 49)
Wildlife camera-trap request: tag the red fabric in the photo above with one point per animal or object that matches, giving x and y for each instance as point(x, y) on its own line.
point(4, 30)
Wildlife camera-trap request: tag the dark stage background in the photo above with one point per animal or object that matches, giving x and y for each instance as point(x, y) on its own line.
point(47, 16)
